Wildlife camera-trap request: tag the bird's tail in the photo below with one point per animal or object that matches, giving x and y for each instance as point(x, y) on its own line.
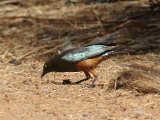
point(116, 51)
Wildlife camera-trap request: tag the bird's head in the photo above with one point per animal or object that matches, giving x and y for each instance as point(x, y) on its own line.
point(49, 66)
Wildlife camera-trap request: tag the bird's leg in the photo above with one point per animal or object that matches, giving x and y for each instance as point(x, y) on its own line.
point(88, 76)
point(93, 72)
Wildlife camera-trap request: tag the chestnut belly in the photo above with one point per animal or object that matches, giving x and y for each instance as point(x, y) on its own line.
point(89, 64)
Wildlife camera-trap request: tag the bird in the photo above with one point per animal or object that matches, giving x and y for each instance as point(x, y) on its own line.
point(85, 59)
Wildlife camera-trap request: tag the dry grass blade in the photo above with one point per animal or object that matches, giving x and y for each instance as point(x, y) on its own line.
point(8, 2)
point(51, 50)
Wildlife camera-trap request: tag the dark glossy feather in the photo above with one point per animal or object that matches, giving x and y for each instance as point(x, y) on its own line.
point(87, 52)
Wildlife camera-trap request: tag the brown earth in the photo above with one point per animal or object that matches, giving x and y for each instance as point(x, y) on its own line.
point(23, 95)
point(128, 86)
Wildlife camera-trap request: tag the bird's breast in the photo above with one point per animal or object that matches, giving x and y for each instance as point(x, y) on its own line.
point(88, 64)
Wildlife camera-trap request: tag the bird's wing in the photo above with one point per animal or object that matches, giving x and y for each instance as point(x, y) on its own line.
point(84, 53)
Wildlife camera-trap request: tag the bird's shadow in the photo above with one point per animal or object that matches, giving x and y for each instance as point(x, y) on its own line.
point(68, 81)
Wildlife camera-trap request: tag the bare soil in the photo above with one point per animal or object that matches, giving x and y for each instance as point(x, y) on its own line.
point(128, 86)
point(24, 95)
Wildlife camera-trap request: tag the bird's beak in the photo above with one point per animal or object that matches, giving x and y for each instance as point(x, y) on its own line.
point(43, 74)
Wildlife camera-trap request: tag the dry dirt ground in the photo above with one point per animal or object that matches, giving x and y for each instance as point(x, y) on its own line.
point(29, 28)
point(24, 95)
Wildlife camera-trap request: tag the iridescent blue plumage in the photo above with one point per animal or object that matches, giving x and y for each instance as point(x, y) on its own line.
point(87, 52)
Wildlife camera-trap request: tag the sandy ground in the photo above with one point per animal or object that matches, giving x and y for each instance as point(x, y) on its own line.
point(24, 95)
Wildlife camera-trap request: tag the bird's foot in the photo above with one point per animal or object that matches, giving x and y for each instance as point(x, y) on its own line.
point(92, 86)
point(93, 82)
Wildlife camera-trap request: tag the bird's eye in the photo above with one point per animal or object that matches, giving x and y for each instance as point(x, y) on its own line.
point(45, 66)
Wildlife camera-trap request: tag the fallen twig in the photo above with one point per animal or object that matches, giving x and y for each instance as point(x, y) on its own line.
point(9, 2)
